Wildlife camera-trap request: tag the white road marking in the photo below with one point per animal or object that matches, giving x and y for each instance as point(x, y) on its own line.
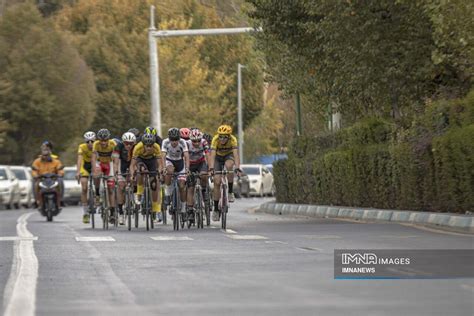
point(467, 287)
point(105, 238)
point(309, 249)
point(246, 237)
point(20, 292)
point(166, 238)
point(398, 236)
point(214, 227)
point(229, 231)
point(276, 242)
point(17, 238)
point(322, 236)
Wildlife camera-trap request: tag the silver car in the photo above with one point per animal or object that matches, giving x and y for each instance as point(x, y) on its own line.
point(72, 189)
point(25, 181)
point(261, 179)
point(9, 188)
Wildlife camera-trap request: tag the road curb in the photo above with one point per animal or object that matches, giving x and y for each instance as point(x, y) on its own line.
point(449, 221)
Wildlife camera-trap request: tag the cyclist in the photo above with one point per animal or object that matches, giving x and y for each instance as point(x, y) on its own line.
point(151, 130)
point(84, 170)
point(44, 164)
point(101, 160)
point(175, 158)
point(184, 133)
point(147, 156)
point(224, 152)
point(122, 158)
point(198, 157)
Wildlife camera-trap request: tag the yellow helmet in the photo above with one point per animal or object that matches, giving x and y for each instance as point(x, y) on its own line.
point(224, 130)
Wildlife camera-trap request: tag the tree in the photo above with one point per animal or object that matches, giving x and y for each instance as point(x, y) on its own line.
point(197, 76)
point(46, 89)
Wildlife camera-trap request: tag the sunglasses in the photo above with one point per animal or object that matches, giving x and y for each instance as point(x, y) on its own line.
point(223, 137)
point(90, 141)
point(128, 144)
point(196, 141)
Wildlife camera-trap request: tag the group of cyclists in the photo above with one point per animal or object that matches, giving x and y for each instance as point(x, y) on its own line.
point(184, 152)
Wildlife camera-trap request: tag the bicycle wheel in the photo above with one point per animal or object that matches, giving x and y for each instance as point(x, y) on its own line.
point(224, 208)
point(163, 206)
point(146, 208)
point(199, 207)
point(207, 207)
point(128, 208)
point(90, 202)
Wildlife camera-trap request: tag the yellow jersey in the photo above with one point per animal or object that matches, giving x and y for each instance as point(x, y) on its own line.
point(85, 152)
point(104, 153)
point(139, 151)
point(224, 149)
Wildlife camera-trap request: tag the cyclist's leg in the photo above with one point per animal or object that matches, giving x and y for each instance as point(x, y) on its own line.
point(107, 170)
point(84, 174)
point(190, 184)
point(218, 166)
point(152, 166)
point(141, 167)
point(204, 179)
point(169, 173)
point(97, 183)
point(229, 165)
point(180, 167)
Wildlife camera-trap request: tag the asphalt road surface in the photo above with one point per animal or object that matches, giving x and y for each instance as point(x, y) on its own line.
point(262, 265)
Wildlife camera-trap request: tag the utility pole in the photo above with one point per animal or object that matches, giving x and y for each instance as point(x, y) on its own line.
point(239, 112)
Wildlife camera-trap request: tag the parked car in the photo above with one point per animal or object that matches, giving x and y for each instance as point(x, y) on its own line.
point(269, 167)
point(261, 179)
point(25, 181)
point(241, 186)
point(72, 189)
point(9, 188)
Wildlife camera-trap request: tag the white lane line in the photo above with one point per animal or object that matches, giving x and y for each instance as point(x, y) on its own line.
point(276, 242)
point(322, 236)
point(213, 227)
point(20, 292)
point(309, 249)
point(398, 236)
point(166, 238)
point(17, 238)
point(105, 238)
point(229, 231)
point(246, 237)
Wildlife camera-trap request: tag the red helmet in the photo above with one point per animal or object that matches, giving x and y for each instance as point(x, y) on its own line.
point(184, 133)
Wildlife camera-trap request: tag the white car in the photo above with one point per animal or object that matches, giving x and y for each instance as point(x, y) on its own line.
point(260, 178)
point(9, 188)
point(26, 188)
point(72, 189)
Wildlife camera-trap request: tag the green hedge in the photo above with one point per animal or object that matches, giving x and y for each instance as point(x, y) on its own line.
point(372, 164)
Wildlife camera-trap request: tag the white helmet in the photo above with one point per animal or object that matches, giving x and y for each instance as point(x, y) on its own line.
point(129, 137)
point(89, 136)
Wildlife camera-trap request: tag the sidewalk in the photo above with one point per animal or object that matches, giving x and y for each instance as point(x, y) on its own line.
point(447, 221)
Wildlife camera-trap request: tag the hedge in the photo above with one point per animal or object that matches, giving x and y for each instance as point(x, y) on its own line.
point(370, 165)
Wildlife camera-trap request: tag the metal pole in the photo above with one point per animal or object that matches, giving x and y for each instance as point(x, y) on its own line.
point(154, 75)
point(239, 112)
point(298, 115)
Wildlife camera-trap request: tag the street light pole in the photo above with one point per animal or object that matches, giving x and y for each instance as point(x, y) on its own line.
point(239, 112)
point(154, 75)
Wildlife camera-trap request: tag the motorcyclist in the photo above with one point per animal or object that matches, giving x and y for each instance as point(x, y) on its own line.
point(45, 164)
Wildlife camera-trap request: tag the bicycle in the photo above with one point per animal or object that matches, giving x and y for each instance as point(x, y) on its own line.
point(104, 201)
point(175, 202)
point(146, 205)
point(90, 201)
point(130, 207)
point(224, 199)
point(163, 206)
point(199, 202)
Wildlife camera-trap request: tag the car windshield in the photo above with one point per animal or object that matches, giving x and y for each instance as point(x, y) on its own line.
point(19, 174)
point(69, 174)
point(251, 170)
point(3, 174)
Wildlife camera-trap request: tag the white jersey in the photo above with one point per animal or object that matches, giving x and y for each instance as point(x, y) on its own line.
point(197, 154)
point(174, 153)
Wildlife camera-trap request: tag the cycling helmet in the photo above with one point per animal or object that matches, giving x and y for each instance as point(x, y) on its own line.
point(148, 139)
point(193, 128)
point(134, 131)
point(207, 137)
point(224, 130)
point(129, 137)
point(103, 134)
point(150, 130)
point(89, 136)
point(195, 135)
point(173, 133)
point(184, 133)
point(48, 144)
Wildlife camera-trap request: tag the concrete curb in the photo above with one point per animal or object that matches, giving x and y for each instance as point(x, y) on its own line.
point(450, 221)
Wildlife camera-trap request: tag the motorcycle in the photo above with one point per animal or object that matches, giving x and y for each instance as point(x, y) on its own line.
point(49, 192)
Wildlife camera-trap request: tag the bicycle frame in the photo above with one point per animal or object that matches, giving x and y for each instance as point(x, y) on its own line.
point(224, 198)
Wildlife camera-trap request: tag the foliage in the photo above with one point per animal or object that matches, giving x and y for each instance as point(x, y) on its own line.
point(43, 84)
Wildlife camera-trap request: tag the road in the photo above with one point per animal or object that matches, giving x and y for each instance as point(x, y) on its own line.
point(285, 267)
